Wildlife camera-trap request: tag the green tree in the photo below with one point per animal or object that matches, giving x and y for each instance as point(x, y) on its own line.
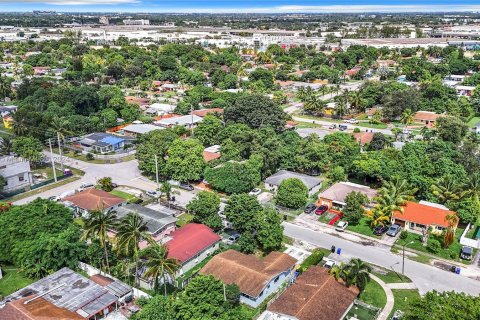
point(131, 229)
point(269, 230)
point(105, 184)
point(445, 305)
point(241, 210)
point(28, 148)
point(233, 177)
point(185, 160)
point(61, 127)
point(292, 193)
point(205, 207)
point(357, 273)
point(158, 307)
point(96, 226)
point(207, 130)
point(354, 208)
point(158, 264)
point(451, 129)
point(155, 143)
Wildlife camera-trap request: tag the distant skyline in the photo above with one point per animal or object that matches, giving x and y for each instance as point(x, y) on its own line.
point(244, 6)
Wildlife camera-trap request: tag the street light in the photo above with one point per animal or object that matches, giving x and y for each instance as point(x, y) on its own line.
point(403, 260)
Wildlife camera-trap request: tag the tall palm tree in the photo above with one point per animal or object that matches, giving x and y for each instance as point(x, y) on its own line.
point(131, 230)
point(355, 99)
point(158, 264)
point(452, 221)
point(448, 189)
point(472, 188)
point(61, 128)
point(357, 273)
point(96, 225)
point(407, 118)
point(20, 128)
point(338, 271)
point(379, 215)
point(314, 105)
point(6, 146)
point(167, 189)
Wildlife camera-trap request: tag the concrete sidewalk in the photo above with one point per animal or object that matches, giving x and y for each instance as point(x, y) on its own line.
point(402, 286)
point(390, 299)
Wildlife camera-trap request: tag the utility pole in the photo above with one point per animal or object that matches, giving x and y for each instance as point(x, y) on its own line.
point(191, 125)
point(60, 151)
point(156, 172)
point(52, 160)
point(224, 293)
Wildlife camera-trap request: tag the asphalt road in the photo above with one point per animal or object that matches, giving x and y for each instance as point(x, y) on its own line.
point(123, 173)
point(425, 277)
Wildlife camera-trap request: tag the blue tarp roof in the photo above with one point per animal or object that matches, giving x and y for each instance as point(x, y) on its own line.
point(112, 140)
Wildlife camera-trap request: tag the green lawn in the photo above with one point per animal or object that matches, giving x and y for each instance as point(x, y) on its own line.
point(473, 122)
point(363, 227)
point(308, 117)
point(127, 196)
point(183, 219)
point(392, 277)
point(402, 299)
point(48, 171)
point(450, 253)
point(374, 295)
point(12, 281)
point(361, 313)
point(372, 125)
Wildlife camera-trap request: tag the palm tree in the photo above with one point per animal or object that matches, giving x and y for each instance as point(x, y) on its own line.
point(167, 190)
point(452, 221)
point(314, 105)
point(408, 117)
point(338, 271)
point(472, 187)
point(20, 128)
point(158, 264)
point(6, 146)
point(60, 126)
point(379, 215)
point(357, 273)
point(96, 226)
point(131, 230)
point(448, 189)
point(341, 106)
point(355, 99)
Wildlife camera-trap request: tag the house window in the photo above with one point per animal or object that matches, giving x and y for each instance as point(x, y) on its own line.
point(21, 178)
point(276, 279)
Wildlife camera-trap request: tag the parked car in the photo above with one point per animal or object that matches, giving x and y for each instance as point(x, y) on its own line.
point(310, 208)
point(393, 230)
point(332, 126)
point(232, 239)
point(341, 226)
point(466, 253)
point(342, 127)
point(54, 198)
point(321, 210)
point(255, 192)
point(351, 121)
point(329, 263)
point(114, 185)
point(380, 229)
point(85, 185)
point(154, 194)
point(186, 186)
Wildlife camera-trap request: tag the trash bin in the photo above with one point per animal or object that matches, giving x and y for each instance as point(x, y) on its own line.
point(332, 249)
point(457, 271)
point(339, 250)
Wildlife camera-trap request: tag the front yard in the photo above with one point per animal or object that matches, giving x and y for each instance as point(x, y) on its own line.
point(363, 227)
point(374, 294)
point(12, 281)
point(124, 195)
point(183, 219)
point(403, 298)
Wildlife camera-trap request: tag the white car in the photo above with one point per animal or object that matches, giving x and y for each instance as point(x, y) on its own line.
point(85, 185)
point(153, 194)
point(329, 263)
point(351, 121)
point(341, 226)
point(255, 192)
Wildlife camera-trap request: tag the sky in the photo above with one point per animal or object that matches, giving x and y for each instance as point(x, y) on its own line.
point(240, 6)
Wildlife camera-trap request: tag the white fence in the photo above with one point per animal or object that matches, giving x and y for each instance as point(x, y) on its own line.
point(467, 241)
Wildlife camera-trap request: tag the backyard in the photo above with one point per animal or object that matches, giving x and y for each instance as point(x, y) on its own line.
point(183, 219)
point(361, 313)
point(12, 281)
point(124, 195)
point(402, 299)
point(374, 295)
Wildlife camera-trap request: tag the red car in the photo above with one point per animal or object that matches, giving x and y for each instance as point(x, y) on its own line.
point(321, 210)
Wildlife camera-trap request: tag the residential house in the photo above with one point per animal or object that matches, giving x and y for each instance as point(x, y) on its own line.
point(465, 91)
point(256, 277)
point(101, 142)
point(40, 71)
point(315, 295)
point(334, 196)
point(187, 121)
point(135, 130)
point(66, 295)
point(141, 102)
point(272, 183)
point(211, 153)
point(363, 137)
point(427, 118)
point(158, 109)
point(190, 245)
point(7, 110)
point(159, 223)
point(88, 200)
point(418, 216)
point(16, 173)
point(203, 112)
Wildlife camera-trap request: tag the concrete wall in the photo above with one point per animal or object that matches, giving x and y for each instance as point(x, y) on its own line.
point(467, 241)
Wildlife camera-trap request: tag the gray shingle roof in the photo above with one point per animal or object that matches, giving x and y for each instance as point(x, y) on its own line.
point(156, 220)
point(281, 175)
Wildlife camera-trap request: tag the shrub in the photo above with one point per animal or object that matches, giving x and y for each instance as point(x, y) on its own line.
point(292, 193)
point(356, 130)
point(89, 156)
point(311, 260)
point(433, 246)
point(404, 234)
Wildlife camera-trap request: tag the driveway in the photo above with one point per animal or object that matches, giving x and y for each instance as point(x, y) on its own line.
point(425, 277)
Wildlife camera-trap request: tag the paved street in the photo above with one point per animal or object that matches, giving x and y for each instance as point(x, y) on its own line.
point(123, 173)
point(425, 277)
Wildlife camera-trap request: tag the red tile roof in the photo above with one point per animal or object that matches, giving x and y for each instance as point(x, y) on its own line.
point(39, 309)
point(93, 199)
point(423, 214)
point(363, 137)
point(210, 156)
point(190, 240)
point(427, 116)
